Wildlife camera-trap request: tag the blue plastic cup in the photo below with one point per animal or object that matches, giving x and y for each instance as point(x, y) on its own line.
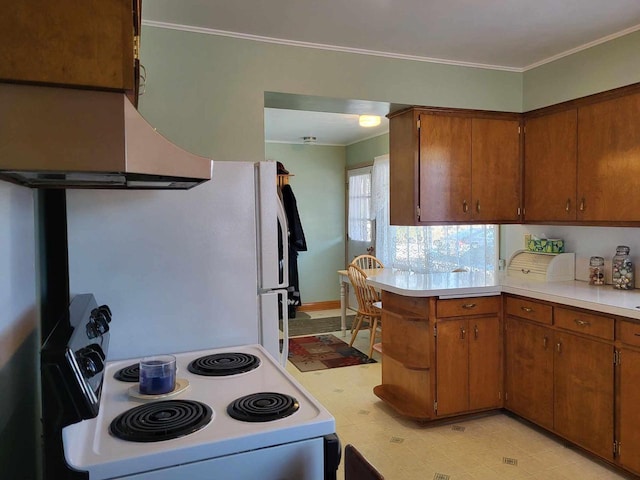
point(157, 374)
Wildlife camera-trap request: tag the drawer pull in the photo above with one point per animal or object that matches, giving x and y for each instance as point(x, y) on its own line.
point(465, 207)
point(527, 309)
point(636, 334)
point(568, 206)
point(525, 270)
point(469, 306)
point(462, 333)
point(582, 323)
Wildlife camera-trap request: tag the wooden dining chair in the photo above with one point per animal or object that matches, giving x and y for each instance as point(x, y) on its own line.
point(356, 467)
point(367, 315)
point(367, 262)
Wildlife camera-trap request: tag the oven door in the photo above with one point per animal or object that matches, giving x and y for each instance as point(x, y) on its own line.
point(302, 460)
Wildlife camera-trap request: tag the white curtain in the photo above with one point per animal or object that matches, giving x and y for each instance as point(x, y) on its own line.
point(360, 217)
point(428, 249)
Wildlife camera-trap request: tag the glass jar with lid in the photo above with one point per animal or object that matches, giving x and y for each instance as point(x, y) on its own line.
point(622, 269)
point(596, 271)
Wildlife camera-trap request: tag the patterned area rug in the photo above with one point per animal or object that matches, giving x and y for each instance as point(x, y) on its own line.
point(320, 352)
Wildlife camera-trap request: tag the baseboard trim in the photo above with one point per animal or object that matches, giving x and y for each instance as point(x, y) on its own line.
point(312, 307)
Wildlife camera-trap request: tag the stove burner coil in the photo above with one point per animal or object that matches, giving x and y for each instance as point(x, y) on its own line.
point(224, 364)
point(162, 420)
point(263, 407)
point(128, 374)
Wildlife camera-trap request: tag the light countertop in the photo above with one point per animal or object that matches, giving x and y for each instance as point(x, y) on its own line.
point(579, 294)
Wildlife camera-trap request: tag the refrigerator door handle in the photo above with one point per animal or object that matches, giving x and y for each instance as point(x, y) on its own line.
point(272, 302)
point(284, 231)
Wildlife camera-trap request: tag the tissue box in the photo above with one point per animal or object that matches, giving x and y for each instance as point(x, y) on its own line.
point(546, 245)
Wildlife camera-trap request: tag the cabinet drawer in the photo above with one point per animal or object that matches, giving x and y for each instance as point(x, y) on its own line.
point(463, 307)
point(587, 323)
point(629, 333)
point(529, 309)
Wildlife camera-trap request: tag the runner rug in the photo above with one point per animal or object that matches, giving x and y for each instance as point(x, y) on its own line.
point(320, 352)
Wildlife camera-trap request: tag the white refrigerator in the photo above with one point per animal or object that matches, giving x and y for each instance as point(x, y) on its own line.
point(185, 270)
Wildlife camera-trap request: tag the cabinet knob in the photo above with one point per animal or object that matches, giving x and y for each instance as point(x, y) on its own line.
point(545, 341)
point(478, 206)
point(465, 206)
point(582, 323)
point(463, 332)
point(559, 347)
point(475, 331)
point(582, 205)
point(568, 206)
point(526, 309)
point(469, 306)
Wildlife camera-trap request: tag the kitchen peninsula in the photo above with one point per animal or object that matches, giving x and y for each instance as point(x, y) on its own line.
point(550, 352)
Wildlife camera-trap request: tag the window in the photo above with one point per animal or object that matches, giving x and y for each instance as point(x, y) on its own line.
point(360, 219)
point(441, 248)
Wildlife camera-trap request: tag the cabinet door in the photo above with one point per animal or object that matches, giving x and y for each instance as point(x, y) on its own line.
point(485, 367)
point(608, 167)
point(550, 167)
point(445, 168)
point(67, 42)
point(583, 384)
point(529, 371)
point(629, 413)
point(452, 372)
point(495, 170)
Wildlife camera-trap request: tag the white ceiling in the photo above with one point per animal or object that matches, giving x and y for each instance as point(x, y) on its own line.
point(513, 35)
point(291, 126)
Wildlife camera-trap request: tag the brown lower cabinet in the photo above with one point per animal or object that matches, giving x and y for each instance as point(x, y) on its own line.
point(583, 392)
point(628, 395)
point(468, 365)
point(564, 369)
point(529, 371)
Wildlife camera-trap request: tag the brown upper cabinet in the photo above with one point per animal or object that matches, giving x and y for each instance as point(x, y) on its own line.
point(550, 163)
point(66, 42)
point(580, 160)
point(454, 166)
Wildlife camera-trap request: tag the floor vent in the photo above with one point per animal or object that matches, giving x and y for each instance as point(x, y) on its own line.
point(458, 428)
point(510, 461)
point(440, 476)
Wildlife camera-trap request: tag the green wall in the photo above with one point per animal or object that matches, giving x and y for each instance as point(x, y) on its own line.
point(599, 68)
point(365, 151)
point(318, 184)
point(206, 93)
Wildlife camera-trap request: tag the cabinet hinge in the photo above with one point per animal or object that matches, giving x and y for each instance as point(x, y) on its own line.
point(418, 211)
point(435, 330)
point(136, 47)
point(435, 406)
point(418, 124)
point(616, 448)
point(617, 357)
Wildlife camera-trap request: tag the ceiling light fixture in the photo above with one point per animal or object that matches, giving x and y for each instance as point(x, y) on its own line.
point(369, 120)
point(309, 140)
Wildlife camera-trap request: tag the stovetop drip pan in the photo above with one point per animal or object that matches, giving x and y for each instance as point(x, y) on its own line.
point(162, 420)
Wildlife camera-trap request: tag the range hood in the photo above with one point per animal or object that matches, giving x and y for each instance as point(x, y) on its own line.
point(70, 138)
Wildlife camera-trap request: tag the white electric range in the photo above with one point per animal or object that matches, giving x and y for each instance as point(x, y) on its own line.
point(235, 414)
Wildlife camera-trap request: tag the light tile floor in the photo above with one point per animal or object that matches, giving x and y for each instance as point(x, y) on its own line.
point(491, 447)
